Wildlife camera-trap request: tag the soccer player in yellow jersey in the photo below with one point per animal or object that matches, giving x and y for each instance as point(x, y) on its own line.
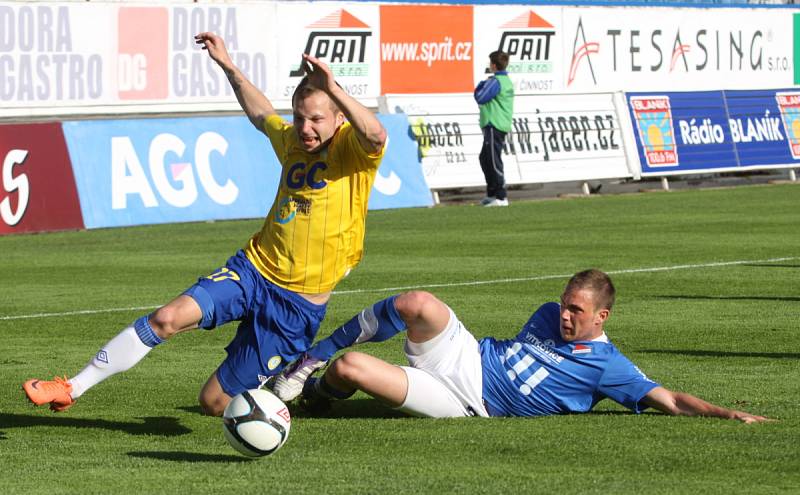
point(278, 286)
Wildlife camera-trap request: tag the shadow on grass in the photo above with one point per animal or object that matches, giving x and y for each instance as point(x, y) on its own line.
point(770, 265)
point(190, 457)
point(701, 353)
point(735, 298)
point(191, 409)
point(160, 425)
point(351, 408)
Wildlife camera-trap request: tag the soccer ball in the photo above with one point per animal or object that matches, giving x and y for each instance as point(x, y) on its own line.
point(256, 423)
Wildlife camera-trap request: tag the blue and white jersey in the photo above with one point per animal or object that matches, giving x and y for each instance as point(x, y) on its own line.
point(537, 373)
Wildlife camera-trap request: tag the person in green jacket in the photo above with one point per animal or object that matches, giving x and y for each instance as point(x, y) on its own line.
point(495, 97)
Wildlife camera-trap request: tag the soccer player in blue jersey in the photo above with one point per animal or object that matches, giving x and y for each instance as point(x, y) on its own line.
point(560, 362)
point(278, 285)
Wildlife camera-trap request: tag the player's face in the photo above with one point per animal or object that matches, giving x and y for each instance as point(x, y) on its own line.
point(579, 318)
point(316, 121)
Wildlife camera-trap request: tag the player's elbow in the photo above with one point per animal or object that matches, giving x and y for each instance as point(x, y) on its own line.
point(378, 138)
point(671, 409)
point(663, 400)
point(257, 119)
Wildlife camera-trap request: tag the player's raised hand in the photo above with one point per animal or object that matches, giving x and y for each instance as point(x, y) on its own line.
point(215, 46)
point(319, 74)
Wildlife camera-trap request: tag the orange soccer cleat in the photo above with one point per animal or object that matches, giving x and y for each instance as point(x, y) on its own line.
point(56, 393)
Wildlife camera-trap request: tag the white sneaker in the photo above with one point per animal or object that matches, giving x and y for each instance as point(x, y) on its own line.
point(497, 202)
point(488, 199)
point(289, 383)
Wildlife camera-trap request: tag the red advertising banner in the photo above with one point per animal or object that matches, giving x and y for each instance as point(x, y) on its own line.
point(426, 49)
point(142, 60)
point(38, 192)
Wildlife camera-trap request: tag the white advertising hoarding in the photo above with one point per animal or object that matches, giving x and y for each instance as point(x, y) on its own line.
point(676, 49)
point(532, 36)
point(61, 58)
point(554, 138)
point(344, 36)
point(103, 54)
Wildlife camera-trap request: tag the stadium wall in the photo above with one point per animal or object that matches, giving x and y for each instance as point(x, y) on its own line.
point(89, 58)
point(114, 173)
point(603, 92)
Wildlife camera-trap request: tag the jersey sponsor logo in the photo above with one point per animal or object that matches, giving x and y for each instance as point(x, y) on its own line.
point(518, 367)
point(527, 39)
point(14, 184)
point(274, 362)
point(290, 207)
point(541, 349)
point(789, 105)
point(340, 39)
point(286, 211)
point(581, 349)
point(653, 119)
point(128, 176)
point(297, 176)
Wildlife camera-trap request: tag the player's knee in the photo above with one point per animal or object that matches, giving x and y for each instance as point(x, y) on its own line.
point(410, 305)
point(350, 368)
point(164, 322)
point(211, 405)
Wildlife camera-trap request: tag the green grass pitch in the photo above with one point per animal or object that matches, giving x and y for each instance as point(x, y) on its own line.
point(708, 302)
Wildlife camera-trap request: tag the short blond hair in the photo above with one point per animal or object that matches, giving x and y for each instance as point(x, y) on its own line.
point(598, 282)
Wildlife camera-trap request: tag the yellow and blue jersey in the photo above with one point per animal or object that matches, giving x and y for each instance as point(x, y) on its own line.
point(314, 233)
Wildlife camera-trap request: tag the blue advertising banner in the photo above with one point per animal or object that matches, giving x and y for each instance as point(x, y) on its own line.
point(133, 172)
point(147, 171)
point(765, 125)
point(715, 130)
point(399, 182)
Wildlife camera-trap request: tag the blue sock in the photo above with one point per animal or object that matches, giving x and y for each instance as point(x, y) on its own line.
point(145, 332)
point(374, 324)
point(319, 388)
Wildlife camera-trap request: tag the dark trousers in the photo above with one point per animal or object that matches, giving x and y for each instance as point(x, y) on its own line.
point(491, 159)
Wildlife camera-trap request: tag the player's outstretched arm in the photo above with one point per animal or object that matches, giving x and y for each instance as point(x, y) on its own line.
point(683, 404)
point(255, 105)
point(369, 130)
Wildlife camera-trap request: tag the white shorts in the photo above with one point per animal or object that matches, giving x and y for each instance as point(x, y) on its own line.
point(445, 379)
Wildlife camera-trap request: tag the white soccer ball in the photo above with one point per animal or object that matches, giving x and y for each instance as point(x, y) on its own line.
point(256, 423)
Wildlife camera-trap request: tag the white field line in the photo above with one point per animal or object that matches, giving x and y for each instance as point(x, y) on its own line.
point(432, 286)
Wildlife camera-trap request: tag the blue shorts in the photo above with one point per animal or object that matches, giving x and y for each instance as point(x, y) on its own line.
point(276, 325)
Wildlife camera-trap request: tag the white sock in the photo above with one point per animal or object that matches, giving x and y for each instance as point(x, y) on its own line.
point(119, 354)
